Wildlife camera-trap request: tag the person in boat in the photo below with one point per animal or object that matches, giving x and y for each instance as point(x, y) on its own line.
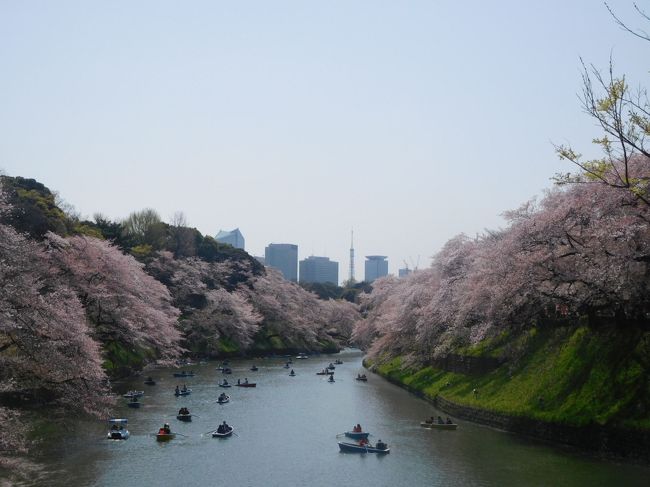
point(115, 427)
point(177, 391)
point(165, 430)
point(440, 421)
point(380, 445)
point(225, 382)
point(238, 381)
point(449, 421)
point(223, 428)
point(363, 441)
point(357, 428)
point(292, 372)
point(246, 380)
point(430, 420)
point(184, 389)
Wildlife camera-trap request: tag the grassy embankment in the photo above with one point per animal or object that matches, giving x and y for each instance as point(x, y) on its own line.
point(574, 376)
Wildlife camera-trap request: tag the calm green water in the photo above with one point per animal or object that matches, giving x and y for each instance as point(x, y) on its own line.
point(287, 430)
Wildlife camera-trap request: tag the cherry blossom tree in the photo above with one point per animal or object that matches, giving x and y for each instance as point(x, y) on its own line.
point(125, 305)
point(582, 251)
point(47, 355)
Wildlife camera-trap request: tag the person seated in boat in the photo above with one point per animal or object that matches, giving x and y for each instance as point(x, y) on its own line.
point(449, 421)
point(177, 391)
point(246, 380)
point(440, 421)
point(165, 430)
point(238, 381)
point(380, 445)
point(430, 420)
point(225, 382)
point(115, 427)
point(363, 441)
point(357, 428)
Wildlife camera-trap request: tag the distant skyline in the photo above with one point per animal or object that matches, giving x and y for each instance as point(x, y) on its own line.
point(293, 121)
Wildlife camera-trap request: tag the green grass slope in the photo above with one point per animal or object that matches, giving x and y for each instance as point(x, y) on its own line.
point(574, 376)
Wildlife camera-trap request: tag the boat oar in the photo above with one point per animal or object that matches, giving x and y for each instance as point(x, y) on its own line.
point(340, 434)
point(180, 434)
point(208, 432)
point(235, 434)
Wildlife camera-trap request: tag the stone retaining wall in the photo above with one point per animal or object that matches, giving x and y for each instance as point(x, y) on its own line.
point(619, 443)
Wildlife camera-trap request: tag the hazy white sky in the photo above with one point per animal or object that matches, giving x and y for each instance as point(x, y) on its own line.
point(296, 121)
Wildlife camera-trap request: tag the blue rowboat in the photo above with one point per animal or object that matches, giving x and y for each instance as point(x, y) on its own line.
point(354, 448)
point(356, 435)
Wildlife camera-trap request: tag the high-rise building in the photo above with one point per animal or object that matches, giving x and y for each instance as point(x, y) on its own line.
point(319, 269)
point(233, 237)
point(376, 267)
point(403, 272)
point(283, 257)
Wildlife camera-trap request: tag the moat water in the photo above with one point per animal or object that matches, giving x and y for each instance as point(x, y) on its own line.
point(286, 435)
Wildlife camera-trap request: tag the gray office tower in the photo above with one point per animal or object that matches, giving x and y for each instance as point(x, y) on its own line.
point(283, 257)
point(233, 237)
point(319, 269)
point(376, 267)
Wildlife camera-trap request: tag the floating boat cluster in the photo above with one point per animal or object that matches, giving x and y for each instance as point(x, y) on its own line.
point(357, 439)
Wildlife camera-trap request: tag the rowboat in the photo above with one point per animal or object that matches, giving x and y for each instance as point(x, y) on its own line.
point(325, 372)
point(217, 434)
point(181, 392)
point(254, 368)
point(225, 385)
point(247, 384)
point(165, 436)
point(150, 381)
point(223, 399)
point(356, 435)
point(302, 356)
point(338, 361)
point(292, 374)
point(184, 417)
point(354, 448)
point(331, 379)
point(117, 431)
point(439, 426)
point(131, 394)
point(133, 403)
point(226, 370)
point(362, 378)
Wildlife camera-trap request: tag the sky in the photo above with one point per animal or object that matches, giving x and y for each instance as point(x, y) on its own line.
point(297, 121)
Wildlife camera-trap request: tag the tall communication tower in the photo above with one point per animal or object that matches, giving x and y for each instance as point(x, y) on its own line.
point(351, 280)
